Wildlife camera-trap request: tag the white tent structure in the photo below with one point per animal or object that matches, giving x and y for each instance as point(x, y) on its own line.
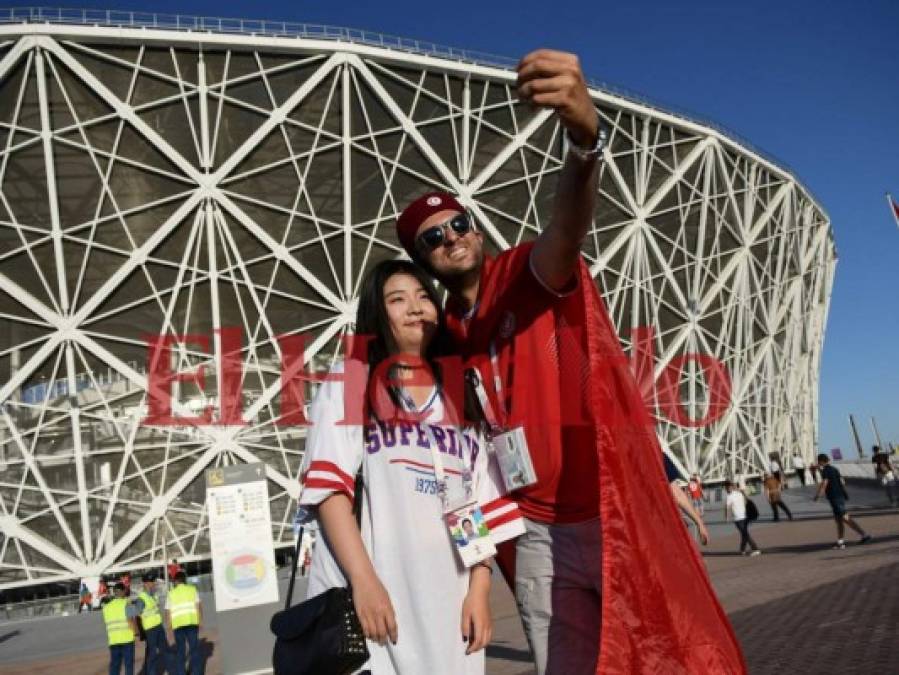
point(166, 175)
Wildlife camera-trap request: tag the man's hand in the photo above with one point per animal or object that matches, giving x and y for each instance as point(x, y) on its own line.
point(552, 79)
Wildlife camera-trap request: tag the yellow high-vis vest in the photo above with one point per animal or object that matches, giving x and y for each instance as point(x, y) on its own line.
point(182, 605)
point(150, 617)
point(115, 615)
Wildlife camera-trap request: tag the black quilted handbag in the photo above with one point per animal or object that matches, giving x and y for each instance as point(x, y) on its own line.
point(321, 636)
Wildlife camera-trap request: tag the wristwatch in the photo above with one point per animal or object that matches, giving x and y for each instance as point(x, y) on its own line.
point(586, 153)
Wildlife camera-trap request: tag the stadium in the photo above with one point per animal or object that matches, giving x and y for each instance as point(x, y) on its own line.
point(177, 176)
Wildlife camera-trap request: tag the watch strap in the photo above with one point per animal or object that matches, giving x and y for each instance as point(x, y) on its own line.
point(583, 152)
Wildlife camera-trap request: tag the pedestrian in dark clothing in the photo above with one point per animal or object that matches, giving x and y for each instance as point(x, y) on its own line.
point(772, 491)
point(832, 487)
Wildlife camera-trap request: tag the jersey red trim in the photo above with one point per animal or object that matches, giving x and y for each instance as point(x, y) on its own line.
point(331, 467)
point(325, 484)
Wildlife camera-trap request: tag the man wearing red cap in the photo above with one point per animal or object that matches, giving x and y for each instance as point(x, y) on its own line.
point(606, 577)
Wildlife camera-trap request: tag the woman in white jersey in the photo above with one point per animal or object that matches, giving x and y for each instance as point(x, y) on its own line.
point(422, 610)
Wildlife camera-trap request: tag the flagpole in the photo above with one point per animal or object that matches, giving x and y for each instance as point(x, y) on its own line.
point(894, 208)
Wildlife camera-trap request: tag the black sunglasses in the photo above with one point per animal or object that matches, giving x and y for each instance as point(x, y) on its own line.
point(434, 237)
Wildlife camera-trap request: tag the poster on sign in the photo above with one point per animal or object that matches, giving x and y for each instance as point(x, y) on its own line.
point(240, 537)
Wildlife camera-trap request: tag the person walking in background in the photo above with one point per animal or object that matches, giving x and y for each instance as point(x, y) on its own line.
point(184, 618)
point(772, 492)
point(694, 487)
point(885, 473)
point(121, 629)
point(799, 465)
point(85, 599)
point(832, 487)
point(172, 570)
point(775, 468)
point(736, 505)
point(157, 645)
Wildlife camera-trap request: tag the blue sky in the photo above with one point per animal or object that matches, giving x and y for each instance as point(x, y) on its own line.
point(813, 83)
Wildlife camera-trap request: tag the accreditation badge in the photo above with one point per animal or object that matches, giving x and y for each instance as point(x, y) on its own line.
point(469, 533)
point(514, 459)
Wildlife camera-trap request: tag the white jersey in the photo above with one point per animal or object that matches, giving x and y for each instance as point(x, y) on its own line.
point(737, 503)
point(402, 525)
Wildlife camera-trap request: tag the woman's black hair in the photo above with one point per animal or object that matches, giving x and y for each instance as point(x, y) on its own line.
point(372, 319)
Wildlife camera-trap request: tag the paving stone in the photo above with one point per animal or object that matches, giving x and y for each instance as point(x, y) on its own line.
point(801, 607)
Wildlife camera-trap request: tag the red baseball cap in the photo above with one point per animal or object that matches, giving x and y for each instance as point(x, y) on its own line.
point(418, 212)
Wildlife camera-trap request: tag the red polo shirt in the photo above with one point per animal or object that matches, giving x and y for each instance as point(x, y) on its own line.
point(541, 364)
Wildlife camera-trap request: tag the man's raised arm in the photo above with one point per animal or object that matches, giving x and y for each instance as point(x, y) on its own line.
point(551, 79)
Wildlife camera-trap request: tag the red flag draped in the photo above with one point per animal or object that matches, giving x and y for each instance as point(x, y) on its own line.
point(659, 612)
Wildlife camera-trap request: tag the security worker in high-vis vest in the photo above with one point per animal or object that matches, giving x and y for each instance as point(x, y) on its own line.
point(121, 629)
point(183, 612)
point(151, 619)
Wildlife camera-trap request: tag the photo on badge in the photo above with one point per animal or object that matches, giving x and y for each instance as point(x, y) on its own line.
point(470, 534)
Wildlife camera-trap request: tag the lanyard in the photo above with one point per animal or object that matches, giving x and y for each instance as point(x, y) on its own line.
point(439, 470)
point(497, 380)
point(474, 378)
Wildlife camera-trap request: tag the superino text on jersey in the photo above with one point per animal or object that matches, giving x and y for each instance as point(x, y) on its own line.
point(380, 436)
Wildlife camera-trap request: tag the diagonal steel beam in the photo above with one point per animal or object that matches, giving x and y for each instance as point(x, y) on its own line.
point(448, 176)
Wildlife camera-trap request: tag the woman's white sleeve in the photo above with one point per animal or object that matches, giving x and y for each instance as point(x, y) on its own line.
point(333, 450)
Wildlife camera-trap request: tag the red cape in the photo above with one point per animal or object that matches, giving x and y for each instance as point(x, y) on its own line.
point(659, 611)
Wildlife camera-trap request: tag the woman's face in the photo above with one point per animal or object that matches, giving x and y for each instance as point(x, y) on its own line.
point(412, 315)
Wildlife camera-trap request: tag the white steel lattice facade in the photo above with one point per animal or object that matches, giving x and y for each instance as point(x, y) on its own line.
point(151, 184)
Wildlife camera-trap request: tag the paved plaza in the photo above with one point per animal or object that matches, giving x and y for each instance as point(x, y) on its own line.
point(800, 607)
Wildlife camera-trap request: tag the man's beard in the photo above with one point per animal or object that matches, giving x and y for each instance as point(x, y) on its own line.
point(458, 278)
